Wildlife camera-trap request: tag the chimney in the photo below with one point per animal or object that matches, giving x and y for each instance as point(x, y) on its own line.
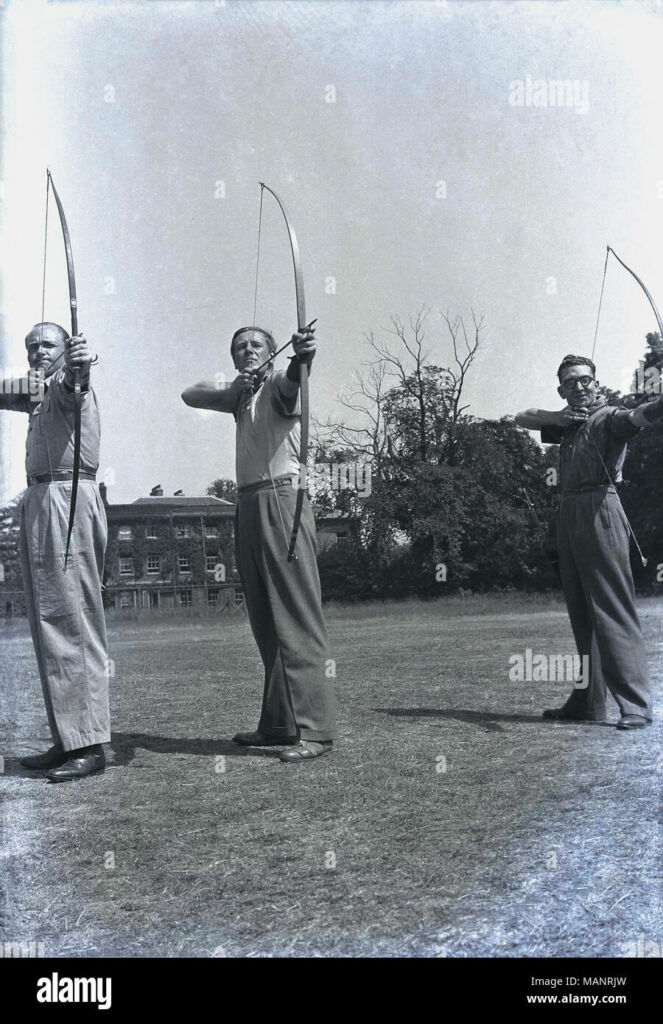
point(156, 492)
point(178, 494)
point(103, 493)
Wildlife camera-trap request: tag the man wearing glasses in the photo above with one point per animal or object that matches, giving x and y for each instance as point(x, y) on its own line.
point(593, 544)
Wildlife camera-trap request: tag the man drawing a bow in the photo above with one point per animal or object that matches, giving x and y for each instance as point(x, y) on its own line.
point(593, 536)
point(63, 588)
point(282, 595)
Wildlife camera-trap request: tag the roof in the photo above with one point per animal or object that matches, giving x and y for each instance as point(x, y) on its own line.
point(179, 500)
point(177, 506)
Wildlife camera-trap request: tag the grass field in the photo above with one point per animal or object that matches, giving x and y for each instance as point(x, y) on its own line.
point(450, 820)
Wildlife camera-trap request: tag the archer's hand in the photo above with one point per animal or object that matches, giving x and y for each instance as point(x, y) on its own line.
point(569, 416)
point(243, 383)
point(77, 355)
point(35, 382)
point(304, 344)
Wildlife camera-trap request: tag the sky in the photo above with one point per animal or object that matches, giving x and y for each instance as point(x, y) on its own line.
point(418, 164)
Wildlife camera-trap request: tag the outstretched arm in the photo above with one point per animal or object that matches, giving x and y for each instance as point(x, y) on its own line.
point(647, 414)
point(304, 345)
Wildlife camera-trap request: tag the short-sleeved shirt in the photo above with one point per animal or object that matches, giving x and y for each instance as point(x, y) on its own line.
point(268, 434)
point(603, 436)
point(49, 447)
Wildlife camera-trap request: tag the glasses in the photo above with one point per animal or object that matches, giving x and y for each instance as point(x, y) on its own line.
point(584, 382)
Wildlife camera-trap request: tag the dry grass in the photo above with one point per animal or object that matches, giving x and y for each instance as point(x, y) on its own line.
point(537, 840)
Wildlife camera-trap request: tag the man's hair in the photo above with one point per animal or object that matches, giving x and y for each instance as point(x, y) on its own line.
point(64, 335)
point(261, 330)
point(574, 361)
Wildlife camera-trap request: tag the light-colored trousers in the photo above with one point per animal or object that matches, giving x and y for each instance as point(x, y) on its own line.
point(65, 608)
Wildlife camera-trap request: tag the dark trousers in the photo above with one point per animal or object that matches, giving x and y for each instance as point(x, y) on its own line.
point(595, 569)
point(285, 612)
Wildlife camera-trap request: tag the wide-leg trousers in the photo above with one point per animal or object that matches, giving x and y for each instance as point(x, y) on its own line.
point(595, 569)
point(65, 608)
point(285, 611)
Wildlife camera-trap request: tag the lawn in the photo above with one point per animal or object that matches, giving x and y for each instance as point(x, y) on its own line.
point(450, 820)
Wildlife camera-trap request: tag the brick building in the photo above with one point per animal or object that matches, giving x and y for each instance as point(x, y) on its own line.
point(164, 553)
point(171, 553)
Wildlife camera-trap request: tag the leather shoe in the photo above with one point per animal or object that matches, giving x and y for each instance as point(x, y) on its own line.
point(52, 758)
point(564, 715)
point(633, 722)
point(79, 764)
point(305, 750)
point(258, 739)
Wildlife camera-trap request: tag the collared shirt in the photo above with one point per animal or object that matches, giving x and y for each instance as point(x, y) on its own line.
point(49, 447)
point(268, 434)
point(603, 436)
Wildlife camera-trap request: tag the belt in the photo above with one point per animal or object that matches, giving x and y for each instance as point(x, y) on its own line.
point(49, 478)
point(261, 485)
point(588, 488)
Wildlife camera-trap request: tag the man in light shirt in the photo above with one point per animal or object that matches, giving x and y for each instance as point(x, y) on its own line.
point(282, 597)
point(64, 603)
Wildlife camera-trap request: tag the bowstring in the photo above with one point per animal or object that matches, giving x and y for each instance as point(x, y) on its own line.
point(255, 306)
point(598, 314)
point(43, 305)
point(598, 451)
point(43, 277)
point(255, 290)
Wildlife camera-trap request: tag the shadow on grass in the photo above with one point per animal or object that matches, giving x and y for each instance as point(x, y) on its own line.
point(486, 720)
point(124, 746)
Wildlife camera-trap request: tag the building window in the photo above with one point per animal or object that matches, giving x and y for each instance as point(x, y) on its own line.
point(150, 599)
point(215, 565)
point(185, 598)
point(126, 567)
point(125, 533)
point(239, 597)
point(153, 565)
point(151, 533)
point(211, 531)
point(126, 599)
point(183, 563)
point(182, 532)
point(213, 598)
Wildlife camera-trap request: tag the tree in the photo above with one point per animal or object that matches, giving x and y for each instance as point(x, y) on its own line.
point(224, 489)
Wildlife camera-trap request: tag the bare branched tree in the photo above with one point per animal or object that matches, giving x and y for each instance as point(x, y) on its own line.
point(462, 361)
point(365, 398)
point(405, 369)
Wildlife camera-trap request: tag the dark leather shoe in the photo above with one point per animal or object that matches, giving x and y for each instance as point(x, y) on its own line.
point(305, 750)
point(258, 739)
point(633, 722)
point(79, 764)
point(53, 758)
point(563, 714)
